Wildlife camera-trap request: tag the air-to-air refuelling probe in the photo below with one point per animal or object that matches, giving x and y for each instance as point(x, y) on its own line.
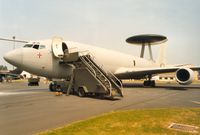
point(94, 70)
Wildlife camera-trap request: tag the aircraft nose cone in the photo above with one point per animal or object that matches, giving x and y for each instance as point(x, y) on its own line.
point(14, 57)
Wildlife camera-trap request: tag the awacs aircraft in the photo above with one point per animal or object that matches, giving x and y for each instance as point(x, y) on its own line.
point(94, 70)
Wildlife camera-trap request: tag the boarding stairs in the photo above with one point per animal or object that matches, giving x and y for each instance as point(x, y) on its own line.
point(90, 75)
point(112, 84)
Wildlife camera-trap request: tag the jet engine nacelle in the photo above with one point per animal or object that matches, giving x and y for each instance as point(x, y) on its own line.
point(184, 76)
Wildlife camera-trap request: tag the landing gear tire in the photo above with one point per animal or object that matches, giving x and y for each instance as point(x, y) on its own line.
point(52, 87)
point(150, 83)
point(81, 92)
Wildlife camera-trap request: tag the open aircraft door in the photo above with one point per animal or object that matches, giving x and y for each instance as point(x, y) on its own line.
point(57, 47)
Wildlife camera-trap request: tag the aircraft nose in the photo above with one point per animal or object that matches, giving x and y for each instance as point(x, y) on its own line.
point(14, 57)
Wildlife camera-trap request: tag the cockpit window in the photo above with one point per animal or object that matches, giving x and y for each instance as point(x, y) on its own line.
point(42, 46)
point(36, 46)
point(28, 45)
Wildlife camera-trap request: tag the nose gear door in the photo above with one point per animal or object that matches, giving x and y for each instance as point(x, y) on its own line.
point(57, 47)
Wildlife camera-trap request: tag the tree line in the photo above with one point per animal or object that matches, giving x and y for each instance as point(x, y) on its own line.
point(3, 67)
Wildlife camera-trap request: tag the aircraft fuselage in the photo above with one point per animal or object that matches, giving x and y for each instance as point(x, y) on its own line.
point(41, 61)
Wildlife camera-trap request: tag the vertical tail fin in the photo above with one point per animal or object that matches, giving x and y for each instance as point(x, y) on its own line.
point(162, 55)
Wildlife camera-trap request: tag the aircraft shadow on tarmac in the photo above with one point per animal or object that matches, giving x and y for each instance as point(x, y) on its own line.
point(167, 86)
point(93, 96)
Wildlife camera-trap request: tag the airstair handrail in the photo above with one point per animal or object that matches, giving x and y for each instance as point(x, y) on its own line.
point(88, 65)
point(120, 83)
point(87, 52)
point(94, 66)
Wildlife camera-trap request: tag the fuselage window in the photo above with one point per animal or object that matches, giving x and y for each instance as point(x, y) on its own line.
point(36, 46)
point(42, 46)
point(28, 45)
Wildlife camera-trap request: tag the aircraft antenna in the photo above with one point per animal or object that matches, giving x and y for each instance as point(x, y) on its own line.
point(146, 40)
point(13, 39)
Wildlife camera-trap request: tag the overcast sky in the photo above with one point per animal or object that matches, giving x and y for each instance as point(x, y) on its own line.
point(105, 23)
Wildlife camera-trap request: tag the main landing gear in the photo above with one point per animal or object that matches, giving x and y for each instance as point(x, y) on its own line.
point(149, 82)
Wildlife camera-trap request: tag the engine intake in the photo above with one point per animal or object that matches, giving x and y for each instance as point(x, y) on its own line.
point(184, 76)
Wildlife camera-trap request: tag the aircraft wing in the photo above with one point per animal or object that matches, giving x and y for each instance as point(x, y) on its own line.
point(130, 73)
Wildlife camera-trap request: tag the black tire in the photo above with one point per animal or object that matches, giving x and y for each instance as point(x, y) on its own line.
point(51, 87)
point(81, 92)
point(146, 83)
point(150, 83)
point(153, 83)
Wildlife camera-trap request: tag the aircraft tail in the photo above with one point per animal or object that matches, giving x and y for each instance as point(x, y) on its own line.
point(162, 55)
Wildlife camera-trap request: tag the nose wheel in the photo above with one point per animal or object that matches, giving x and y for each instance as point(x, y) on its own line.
point(52, 87)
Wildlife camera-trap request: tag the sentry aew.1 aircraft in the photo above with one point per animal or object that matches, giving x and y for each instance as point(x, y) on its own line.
point(56, 58)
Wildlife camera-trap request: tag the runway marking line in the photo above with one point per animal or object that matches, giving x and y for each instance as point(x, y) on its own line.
point(15, 93)
point(196, 102)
